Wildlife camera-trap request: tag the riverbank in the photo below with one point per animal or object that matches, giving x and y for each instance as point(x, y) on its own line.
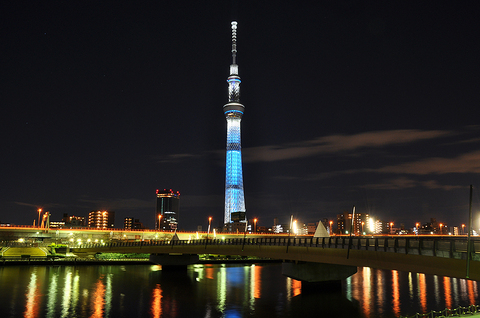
point(91, 261)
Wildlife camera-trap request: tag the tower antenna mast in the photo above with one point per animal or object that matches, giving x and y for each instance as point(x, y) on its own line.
point(234, 42)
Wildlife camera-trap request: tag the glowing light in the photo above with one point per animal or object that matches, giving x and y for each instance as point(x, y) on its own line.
point(371, 225)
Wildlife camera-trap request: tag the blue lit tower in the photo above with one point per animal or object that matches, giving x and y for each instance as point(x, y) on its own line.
point(234, 196)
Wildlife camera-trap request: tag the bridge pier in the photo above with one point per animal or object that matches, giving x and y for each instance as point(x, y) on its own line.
point(315, 274)
point(174, 260)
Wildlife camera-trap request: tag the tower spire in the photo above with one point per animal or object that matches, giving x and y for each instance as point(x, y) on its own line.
point(234, 42)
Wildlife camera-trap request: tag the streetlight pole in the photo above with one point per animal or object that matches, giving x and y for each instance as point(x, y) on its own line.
point(39, 212)
point(255, 225)
point(208, 230)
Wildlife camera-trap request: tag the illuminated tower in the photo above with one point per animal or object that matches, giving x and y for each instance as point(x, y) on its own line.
point(234, 196)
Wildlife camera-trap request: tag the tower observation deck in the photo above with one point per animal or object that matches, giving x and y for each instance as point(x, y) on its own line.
point(233, 110)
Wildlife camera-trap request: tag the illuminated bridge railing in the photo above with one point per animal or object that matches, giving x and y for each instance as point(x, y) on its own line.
point(440, 247)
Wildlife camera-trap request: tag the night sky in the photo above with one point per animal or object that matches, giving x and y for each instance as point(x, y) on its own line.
point(365, 103)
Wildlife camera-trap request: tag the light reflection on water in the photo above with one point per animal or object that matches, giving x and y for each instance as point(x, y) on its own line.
point(31, 306)
point(220, 291)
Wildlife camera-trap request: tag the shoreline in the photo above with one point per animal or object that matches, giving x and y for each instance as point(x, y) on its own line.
point(81, 261)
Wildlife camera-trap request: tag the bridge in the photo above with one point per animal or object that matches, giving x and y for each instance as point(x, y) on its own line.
point(444, 255)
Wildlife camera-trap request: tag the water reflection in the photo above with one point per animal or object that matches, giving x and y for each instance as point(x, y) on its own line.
point(221, 291)
point(52, 295)
point(380, 290)
point(98, 301)
point(156, 308)
point(32, 303)
point(471, 292)
point(448, 292)
point(422, 292)
point(67, 292)
point(367, 286)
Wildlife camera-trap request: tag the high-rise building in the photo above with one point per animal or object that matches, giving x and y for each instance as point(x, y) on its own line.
point(101, 219)
point(233, 110)
point(166, 213)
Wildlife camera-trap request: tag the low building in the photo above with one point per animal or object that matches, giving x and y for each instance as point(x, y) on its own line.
point(101, 219)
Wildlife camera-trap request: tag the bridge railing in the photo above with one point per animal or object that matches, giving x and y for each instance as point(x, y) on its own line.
point(440, 247)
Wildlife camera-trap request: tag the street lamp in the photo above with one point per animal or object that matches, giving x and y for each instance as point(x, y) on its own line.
point(391, 227)
point(255, 225)
point(441, 225)
point(331, 222)
point(159, 222)
point(463, 228)
point(39, 212)
point(417, 225)
point(363, 223)
point(209, 223)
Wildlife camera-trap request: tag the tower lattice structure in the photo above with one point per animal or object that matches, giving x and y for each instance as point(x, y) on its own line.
point(233, 110)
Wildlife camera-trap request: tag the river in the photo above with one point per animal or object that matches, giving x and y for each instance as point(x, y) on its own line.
point(220, 290)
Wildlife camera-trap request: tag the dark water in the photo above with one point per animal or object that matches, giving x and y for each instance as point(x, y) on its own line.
point(219, 291)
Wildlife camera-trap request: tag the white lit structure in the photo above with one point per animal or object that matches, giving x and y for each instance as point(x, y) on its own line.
point(101, 219)
point(233, 110)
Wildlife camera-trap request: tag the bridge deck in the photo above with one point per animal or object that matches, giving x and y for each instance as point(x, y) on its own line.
point(445, 257)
